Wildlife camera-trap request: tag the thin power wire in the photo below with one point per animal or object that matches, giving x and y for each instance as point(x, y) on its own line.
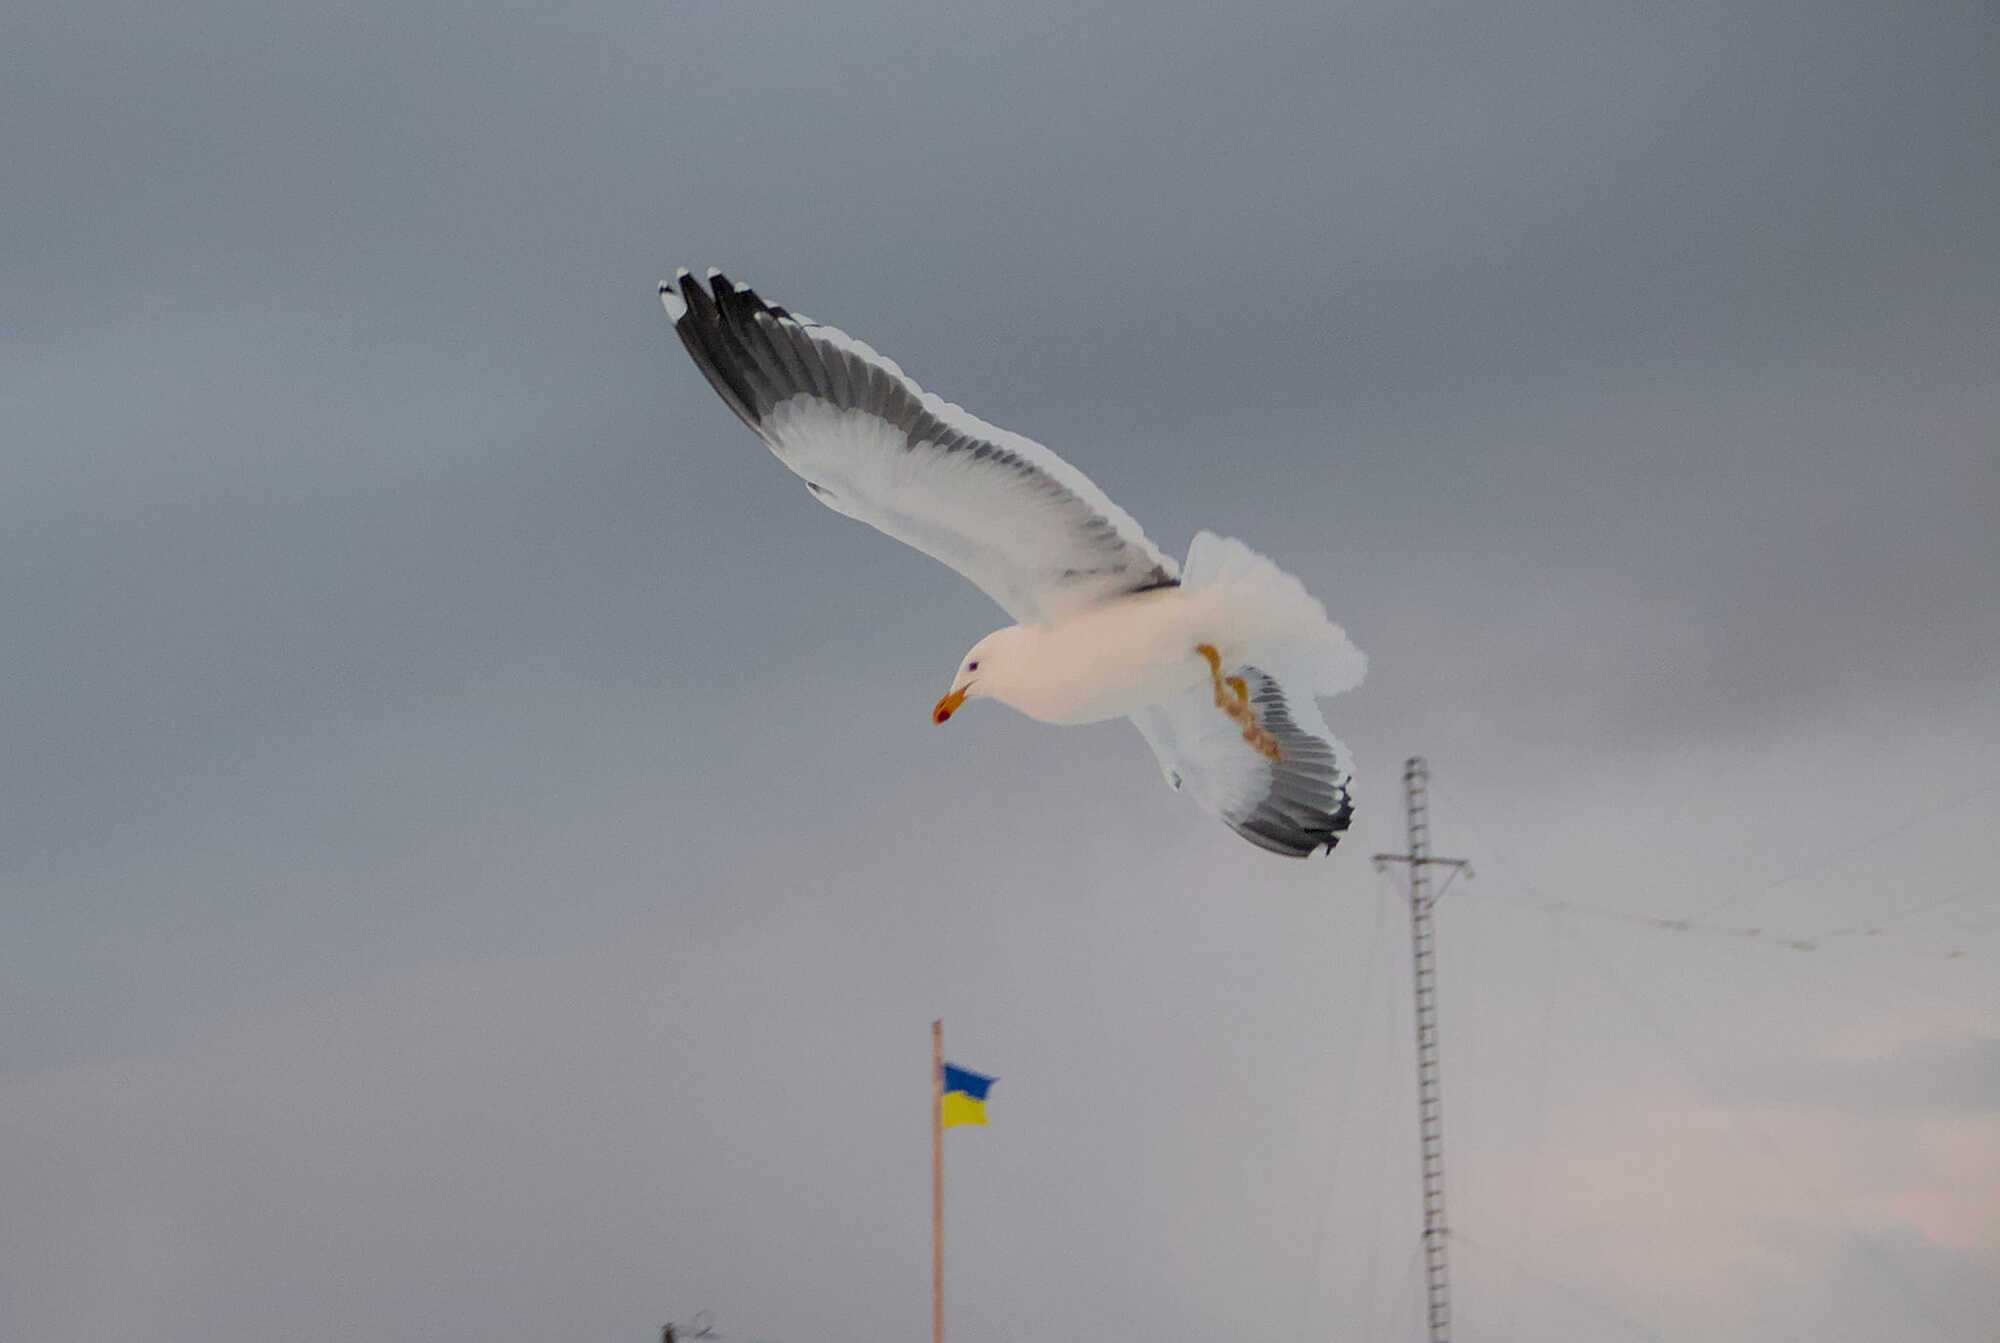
point(1874, 840)
point(1879, 978)
point(1980, 887)
point(1531, 1197)
point(1390, 1092)
point(1346, 1104)
point(1696, 924)
point(1404, 1308)
point(1414, 1302)
point(1750, 938)
point(1876, 976)
point(1578, 1294)
point(1773, 1151)
point(1774, 938)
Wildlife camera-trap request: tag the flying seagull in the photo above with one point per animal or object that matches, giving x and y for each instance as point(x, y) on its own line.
point(1217, 662)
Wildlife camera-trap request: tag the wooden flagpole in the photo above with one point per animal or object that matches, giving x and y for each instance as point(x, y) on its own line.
point(937, 1181)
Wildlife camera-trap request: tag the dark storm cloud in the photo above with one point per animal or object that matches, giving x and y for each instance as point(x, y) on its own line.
point(384, 589)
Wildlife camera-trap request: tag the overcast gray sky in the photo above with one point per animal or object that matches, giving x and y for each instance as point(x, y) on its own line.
point(477, 863)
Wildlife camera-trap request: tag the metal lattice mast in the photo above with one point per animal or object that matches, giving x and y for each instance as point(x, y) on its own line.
point(1430, 1099)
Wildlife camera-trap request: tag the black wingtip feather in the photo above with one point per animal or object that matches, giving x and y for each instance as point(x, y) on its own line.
point(701, 331)
point(1308, 807)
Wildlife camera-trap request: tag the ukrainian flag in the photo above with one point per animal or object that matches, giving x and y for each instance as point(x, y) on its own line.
point(964, 1096)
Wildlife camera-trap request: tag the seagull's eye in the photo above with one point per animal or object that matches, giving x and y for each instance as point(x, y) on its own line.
point(972, 666)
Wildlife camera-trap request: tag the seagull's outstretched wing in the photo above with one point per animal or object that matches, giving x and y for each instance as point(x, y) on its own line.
point(1293, 805)
point(1028, 528)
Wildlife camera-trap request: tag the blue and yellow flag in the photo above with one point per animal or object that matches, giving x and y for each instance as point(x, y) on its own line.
point(964, 1096)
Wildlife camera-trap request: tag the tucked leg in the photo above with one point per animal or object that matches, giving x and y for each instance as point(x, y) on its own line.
point(1214, 658)
point(1237, 706)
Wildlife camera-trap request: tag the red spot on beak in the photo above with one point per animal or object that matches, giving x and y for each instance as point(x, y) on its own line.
point(947, 706)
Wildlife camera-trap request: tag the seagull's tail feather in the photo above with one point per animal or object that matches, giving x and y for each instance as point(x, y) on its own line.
point(1270, 620)
point(1276, 642)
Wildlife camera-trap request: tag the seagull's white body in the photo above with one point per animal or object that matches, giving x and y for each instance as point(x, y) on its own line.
point(1200, 658)
point(1132, 653)
point(1107, 661)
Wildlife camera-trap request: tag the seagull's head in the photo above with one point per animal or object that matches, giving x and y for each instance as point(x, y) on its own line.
point(984, 668)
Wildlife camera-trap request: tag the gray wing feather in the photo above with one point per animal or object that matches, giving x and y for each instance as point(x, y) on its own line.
point(1021, 523)
point(1293, 806)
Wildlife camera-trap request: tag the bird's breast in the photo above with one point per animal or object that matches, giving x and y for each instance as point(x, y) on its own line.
point(1110, 660)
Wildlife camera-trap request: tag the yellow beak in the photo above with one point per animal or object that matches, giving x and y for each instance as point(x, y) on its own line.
point(947, 706)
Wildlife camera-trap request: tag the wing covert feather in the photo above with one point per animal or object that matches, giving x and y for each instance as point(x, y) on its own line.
point(1019, 522)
